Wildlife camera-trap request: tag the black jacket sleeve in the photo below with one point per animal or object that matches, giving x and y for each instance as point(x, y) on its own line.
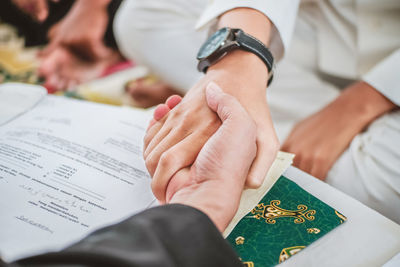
point(170, 235)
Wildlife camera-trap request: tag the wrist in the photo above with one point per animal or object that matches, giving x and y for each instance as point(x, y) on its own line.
point(212, 198)
point(241, 68)
point(364, 102)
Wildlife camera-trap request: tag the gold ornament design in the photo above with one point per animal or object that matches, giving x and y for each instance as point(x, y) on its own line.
point(248, 264)
point(271, 212)
point(239, 240)
point(313, 230)
point(286, 253)
point(341, 216)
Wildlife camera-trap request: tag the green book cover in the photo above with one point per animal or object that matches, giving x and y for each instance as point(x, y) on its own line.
point(284, 222)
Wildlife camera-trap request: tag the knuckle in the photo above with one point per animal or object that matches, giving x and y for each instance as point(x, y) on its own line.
point(147, 139)
point(319, 159)
point(166, 160)
point(212, 124)
point(151, 163)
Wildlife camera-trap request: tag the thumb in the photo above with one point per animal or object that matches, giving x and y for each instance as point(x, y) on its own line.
point(225, 105)
point(237, 125)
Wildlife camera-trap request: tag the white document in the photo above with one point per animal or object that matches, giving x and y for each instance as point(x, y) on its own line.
point(68, 167)
point(16, 98)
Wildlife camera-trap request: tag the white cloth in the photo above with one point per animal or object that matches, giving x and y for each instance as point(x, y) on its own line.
point(161, 34)
point(357, 40)
point(385, 77)
point(281, 13)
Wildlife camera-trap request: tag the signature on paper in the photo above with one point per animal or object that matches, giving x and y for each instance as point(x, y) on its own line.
point(33, 223)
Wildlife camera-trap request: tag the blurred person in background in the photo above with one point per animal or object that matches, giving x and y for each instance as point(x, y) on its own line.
point(335, 96)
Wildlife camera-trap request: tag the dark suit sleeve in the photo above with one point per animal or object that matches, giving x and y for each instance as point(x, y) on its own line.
point(170, 235)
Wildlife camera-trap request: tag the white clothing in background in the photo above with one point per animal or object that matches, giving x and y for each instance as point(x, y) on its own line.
point(352, 39)
point(161, 33)
point(356, 40)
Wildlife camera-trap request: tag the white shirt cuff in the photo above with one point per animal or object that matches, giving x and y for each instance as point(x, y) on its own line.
point(282, 13)
point(385, 77)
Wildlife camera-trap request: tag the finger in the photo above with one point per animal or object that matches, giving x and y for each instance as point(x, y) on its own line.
point(160, 111)
point(318, 172)
point(50, 64)
point(174, 137)
point(153, 132)
point(53, 32)
point(41, 10)
point(52, 81)
point(173, 160)
point(304, 162)
point(226, 106)
point(266, 153)
point(178, 181)
point(151, 123)
point(320, 167)
point(49, 49)
point(238, 130)
point(173, 100)
point(143, 94)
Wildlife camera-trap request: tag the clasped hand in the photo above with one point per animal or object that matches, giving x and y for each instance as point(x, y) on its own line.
point(214, 182)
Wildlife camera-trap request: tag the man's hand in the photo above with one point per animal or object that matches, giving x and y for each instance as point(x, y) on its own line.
point(320, 139)
point(215, 181)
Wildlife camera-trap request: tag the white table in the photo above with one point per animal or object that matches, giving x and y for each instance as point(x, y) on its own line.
point(366, 239)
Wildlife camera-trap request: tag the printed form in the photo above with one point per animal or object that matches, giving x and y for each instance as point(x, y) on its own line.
point(68, 167)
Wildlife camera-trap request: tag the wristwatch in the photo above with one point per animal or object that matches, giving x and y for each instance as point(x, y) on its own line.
point(225, 40)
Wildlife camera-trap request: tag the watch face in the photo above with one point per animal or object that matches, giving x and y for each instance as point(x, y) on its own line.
point(213, 43)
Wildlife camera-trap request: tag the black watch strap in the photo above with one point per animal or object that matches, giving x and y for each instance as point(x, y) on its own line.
point(250, 44)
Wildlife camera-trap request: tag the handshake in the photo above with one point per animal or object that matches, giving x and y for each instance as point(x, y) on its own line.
point(214, 181)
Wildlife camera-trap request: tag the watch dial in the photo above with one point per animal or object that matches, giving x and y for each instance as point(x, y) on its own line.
point(213, 43)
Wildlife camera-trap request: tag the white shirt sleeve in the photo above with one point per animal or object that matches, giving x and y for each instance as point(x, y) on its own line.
point(282, 13)
point(385, 77)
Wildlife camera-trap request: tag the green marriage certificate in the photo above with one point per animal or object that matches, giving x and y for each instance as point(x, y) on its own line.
point(284, 222)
